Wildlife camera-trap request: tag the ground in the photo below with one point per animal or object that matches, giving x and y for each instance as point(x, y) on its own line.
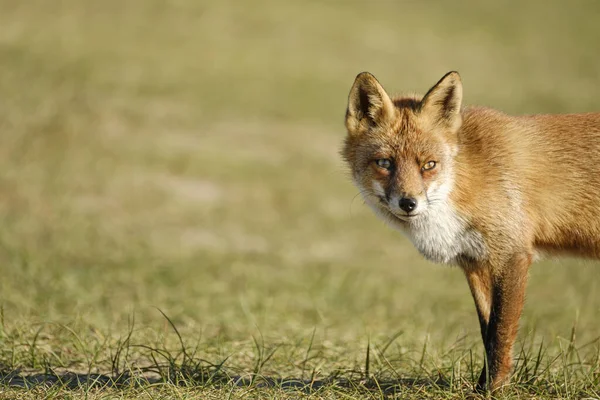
point(176, 216)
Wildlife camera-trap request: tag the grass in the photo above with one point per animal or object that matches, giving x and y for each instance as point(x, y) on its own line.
point(176, 218)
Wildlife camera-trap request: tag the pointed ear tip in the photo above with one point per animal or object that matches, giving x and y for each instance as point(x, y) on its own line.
point(454, 75)
point(364, 74)
point(365, 77)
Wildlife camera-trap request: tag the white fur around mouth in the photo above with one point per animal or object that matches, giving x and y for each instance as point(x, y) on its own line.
point(402, 217)
point(407, 217)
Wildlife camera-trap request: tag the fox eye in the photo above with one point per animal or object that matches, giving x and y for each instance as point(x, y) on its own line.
point(384, 163)
point(428, 165)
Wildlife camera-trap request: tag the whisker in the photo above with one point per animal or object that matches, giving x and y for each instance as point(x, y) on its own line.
point(368, 192)
point(360, 192)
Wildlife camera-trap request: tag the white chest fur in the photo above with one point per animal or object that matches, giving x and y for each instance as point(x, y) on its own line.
point(441, 235)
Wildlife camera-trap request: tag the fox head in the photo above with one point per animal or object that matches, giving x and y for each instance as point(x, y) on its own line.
point(401, 150)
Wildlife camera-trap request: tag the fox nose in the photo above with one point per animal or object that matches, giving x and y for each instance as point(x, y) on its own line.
point(408, 204)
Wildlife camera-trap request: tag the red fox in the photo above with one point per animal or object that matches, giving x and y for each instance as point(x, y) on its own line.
point(480, 189)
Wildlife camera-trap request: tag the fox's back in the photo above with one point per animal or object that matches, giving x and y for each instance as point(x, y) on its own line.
point(546, 166)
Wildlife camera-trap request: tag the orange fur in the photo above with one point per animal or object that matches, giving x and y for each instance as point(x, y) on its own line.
point(504, 189)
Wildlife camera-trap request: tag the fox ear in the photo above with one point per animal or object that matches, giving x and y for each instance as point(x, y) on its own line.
point(368, 103)
point(443, 101)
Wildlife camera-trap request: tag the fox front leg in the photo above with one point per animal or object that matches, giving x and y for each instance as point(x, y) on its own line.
point(480, 283)
point(499, 294)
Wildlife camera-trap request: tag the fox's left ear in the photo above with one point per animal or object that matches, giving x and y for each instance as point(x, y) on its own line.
point(443, 101)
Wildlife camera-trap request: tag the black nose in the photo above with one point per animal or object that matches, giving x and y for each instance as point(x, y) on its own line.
point(408, 204)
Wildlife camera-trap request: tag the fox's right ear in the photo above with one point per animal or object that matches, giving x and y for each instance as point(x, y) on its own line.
point(443, 101)
point(368, 104)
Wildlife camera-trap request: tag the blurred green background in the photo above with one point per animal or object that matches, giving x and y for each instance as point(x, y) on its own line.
point(183, 155)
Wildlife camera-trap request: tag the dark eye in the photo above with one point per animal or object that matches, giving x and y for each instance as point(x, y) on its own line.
point(428, 165)
point(384, 163)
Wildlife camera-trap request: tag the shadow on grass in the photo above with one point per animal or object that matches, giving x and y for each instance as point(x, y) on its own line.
point(201, 378)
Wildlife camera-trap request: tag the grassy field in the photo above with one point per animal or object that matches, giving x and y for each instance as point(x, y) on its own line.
point(175, 215)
